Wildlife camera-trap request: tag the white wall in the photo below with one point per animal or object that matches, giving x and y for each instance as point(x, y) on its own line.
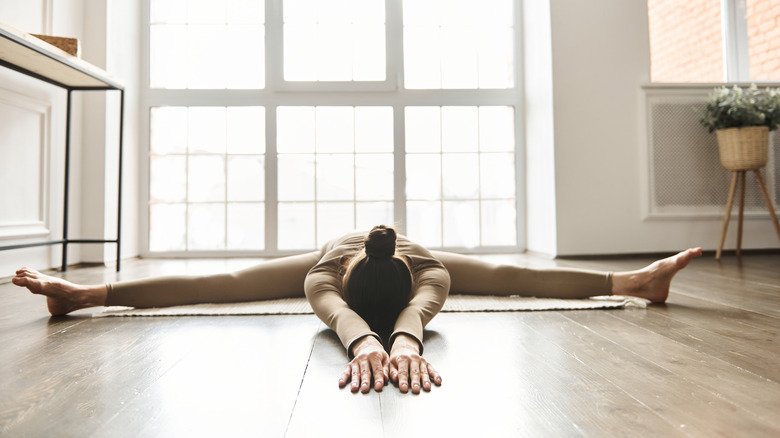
point(108, 30)
point(39, 16)
point(600, 59)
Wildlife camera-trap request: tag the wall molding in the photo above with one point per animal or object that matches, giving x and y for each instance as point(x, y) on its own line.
point(40, 226)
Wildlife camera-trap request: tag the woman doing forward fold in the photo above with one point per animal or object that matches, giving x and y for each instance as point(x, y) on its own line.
point(376, 290)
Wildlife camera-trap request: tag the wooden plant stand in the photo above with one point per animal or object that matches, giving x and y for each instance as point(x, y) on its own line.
point(740, 174)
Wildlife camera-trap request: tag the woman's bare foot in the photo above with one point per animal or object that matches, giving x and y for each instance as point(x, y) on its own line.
point(652, 282)
point(62, 296)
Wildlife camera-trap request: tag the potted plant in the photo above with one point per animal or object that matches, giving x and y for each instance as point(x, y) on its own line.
point(742, 119)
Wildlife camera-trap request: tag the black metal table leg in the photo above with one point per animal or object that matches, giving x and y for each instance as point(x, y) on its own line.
point(119, 195)
point(67, 185)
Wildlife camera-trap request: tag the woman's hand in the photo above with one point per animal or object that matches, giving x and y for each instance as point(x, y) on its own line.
point(408, 367)
point(371, 360)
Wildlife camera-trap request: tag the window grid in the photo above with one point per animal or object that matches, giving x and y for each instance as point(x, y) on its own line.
point(227, 201)
point(307, 94)
point(355, 155)
point(443, 198)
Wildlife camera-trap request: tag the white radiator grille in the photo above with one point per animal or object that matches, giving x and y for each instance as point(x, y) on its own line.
point(685, 176)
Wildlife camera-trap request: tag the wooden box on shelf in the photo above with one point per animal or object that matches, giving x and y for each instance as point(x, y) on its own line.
point(70, 46)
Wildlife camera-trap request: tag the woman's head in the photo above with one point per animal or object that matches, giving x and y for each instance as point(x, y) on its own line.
point(378, 283)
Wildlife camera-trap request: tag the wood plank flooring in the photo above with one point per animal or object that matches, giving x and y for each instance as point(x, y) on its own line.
point(707, 363)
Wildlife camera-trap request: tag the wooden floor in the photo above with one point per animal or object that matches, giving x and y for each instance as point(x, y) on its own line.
point(705, 364)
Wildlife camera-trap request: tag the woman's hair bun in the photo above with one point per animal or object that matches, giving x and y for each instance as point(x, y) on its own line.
point(380, 242)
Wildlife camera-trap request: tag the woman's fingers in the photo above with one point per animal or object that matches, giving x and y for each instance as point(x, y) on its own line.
point(365, 376)
point(393, 370)
point(414, 369)
point(403, 374)
point(424, 376)
point(435, 377)
point(345, 376)
point(376, 369)
point(355, 376)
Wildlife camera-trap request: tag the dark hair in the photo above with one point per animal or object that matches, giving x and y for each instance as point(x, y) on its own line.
point(378, 283)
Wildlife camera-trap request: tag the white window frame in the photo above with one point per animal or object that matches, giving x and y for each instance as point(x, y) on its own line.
point(736, 53)
point(278, 92)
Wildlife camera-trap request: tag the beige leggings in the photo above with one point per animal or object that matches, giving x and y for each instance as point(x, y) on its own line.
point(283, 278)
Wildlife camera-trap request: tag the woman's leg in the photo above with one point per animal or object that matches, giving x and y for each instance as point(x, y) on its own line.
point(279, 278)
point(470, 275)
point(473, 276)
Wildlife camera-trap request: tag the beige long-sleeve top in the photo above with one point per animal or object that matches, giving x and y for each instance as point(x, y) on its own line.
point(323, 287)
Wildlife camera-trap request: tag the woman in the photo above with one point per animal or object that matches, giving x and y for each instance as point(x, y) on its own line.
point(370, 289)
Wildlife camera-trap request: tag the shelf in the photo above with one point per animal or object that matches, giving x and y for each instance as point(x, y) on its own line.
point(34, 57)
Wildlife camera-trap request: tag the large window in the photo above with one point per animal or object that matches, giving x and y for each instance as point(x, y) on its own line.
point(714, 41)
point(277, 125)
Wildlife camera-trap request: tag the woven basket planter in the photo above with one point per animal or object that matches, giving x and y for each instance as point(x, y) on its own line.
point(743, 148)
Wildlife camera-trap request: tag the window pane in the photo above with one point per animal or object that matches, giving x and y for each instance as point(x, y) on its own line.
point(460, 176)
point(374, 129)
point(333, 220)
point(422, 58)
point(496, 57)
point(300, 52)
point(206, 129)
point(335, 177)
point(167, 11)
point(206, 226)
point(246, 130)
point(458, 44)
point(497, 175)
point(334, 40)
point(295, 129)
point(246, 226)
point(206, 178)
point(296, 225)
point(296, 177)
point(244, 66)
point(245, 11)
point(205, 11)
point(246, 179)
point(498, 223)
point(763, 22)
point(206, 58)
point(167, 225)
point(334, 52)
point(335, 128)
point(496, 128)
point(168, 56)
point(461, 224)
point(686, 44)
point(423, 222)
point(459, 131)
point(370, 214)
point(423, 176)
point(368, 59)
point(423, 129)
point(168, 179)
point(169, 130)
point(374, 177)
point(207, 44)
point(459, 57)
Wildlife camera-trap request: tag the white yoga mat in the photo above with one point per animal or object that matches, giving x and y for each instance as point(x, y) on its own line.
point(455, 303)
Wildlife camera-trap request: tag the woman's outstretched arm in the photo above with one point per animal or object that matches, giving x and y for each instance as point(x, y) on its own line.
point(407, 366)
point(369, 360)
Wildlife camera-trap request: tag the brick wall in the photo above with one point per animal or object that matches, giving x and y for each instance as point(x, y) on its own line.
point(763, 19)
point(685, 40)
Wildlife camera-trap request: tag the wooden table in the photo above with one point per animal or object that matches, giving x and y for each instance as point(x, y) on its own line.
point(33, 57)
